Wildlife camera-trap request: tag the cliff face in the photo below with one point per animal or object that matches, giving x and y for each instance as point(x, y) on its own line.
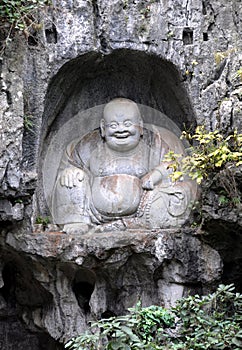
point(179, 57)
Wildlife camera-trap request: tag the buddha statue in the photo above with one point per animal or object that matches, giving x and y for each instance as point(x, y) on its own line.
point(115, 177)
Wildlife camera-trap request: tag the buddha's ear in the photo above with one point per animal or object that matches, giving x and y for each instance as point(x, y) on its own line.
point(102, 127)
point(141, 125)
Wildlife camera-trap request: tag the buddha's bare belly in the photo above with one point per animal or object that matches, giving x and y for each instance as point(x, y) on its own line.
point(116, 195)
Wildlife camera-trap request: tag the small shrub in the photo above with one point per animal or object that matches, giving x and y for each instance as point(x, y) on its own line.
point(212, 321)
point(196, 323)
point(42, 221)
point(213, 157)
point(28, 122)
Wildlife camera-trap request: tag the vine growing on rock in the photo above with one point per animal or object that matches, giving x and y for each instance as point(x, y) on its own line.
point(196, 323)
point(213, 159)
point(19, 16)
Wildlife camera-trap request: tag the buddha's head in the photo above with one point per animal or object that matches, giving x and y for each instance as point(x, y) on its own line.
point(122, 125)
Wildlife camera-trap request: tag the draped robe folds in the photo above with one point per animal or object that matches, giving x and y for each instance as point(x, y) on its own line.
point(111, 188)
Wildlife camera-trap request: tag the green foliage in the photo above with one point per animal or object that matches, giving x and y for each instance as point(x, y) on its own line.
point(42, 220)
point(20, 16)
point(239, 73)
point(20, 12)
point(212, 321)
point(18, 200)
point(223, 200)
point(196, 323)
point(153, 321)
point(140, 329)
point(220, 56)
point(212, 157)
point(28, 122)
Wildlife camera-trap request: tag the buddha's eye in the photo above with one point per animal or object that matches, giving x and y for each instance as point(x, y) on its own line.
point(128, 123)
point(113, 125)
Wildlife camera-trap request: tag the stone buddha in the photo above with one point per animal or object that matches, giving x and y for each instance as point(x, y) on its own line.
point(115, 177)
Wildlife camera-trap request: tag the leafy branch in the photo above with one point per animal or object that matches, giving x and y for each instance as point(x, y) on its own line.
point(209, 322)
point(213, 157)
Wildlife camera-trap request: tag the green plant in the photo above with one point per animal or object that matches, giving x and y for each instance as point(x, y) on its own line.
point(144, 7)
point(170, 34)
point(212, 158)
point(42, 220)
point(140, 329)
point(20, 16)
point(18, 201)
point(125, 4)
point(223, 200)
point(220, 56)
point(212, 321)
point(20, 13)
point(239, 73)
point(28, 123)
point(153, 321)
point(196, 323)
point(145, 12)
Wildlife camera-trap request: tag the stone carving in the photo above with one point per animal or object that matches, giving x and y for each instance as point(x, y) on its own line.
point(115, 179)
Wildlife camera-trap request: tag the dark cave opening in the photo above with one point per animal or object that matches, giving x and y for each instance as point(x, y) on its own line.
point(107, 314)
point(226, 238)
point(83, 292)
point(187, 36)
point(21, 294)
point(83, 287)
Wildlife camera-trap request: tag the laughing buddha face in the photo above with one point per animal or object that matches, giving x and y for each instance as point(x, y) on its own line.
point(121, 126)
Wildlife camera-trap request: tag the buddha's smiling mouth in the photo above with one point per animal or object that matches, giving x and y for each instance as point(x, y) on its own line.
point(122, 135)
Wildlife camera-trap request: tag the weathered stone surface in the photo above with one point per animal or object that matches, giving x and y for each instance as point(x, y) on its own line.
point(180, 57)
point(179, 31)
point(117, 268)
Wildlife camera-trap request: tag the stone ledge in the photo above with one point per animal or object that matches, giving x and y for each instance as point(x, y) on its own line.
point(112, 250)
point(55, 244)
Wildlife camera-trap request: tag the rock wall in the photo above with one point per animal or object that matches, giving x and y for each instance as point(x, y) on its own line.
point(180, 57)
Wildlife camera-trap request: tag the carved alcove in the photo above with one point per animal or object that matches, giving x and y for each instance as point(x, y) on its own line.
point(92, 80)
point(117, 270)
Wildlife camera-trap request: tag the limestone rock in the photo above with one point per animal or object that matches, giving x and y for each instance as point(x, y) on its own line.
point(180, 57)
point(89, 276)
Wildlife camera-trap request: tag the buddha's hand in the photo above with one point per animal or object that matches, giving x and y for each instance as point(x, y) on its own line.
point(147, 182)
point(151, 179)
point(71, 177)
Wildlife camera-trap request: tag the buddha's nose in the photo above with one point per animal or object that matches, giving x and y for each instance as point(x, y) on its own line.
point(122, 127)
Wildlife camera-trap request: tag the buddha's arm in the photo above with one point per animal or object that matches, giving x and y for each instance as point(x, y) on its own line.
point(155, 176)
point(71, 176)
